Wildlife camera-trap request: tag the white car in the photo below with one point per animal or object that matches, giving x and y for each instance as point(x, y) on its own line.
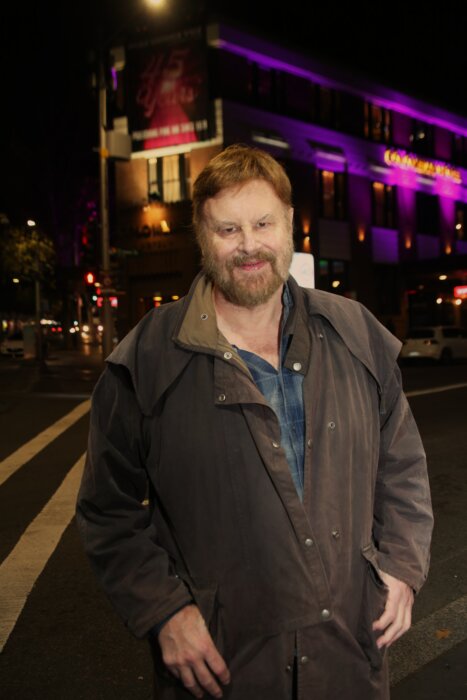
point(440, 343)
point(13, 346)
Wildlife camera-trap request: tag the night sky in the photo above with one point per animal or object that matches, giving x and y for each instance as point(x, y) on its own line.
point(48, 111)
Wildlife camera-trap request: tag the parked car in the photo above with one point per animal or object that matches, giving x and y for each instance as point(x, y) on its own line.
point(439, 343)
point(13, 345)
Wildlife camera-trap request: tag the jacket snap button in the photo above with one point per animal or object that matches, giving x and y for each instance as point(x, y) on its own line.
point(325, 614)
point(221, 397)
point(308, 542)
point(275, 444)
point(309, 443)
point(204, 317)
point(336, 534)
point(331, 425)
point(320, 335)
point(297, 366)
point(288, 668)
point(304, 659)
point(227, 355)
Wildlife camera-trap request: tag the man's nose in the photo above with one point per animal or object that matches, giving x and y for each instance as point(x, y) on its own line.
point(249, 242)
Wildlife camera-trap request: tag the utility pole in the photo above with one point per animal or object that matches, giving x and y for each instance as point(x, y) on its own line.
point(107, 322)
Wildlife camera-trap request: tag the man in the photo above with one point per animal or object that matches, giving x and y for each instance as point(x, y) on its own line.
point(289, 515)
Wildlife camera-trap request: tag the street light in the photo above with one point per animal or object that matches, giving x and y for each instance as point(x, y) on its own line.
point(107, 339)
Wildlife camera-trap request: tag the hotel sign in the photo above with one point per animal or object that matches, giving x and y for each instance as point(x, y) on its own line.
point(408, 161)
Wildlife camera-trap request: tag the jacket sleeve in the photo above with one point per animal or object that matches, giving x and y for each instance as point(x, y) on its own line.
point(403, 518)
point(113, 520)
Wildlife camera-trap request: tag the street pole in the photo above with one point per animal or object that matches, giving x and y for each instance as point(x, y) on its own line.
point(107, 339)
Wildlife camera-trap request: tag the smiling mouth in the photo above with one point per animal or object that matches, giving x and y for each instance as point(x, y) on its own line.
point(254, 265)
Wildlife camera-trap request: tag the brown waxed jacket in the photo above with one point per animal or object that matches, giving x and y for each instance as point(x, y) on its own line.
point(176, 415)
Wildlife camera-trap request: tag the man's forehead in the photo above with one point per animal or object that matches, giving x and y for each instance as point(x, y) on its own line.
point(255, 198)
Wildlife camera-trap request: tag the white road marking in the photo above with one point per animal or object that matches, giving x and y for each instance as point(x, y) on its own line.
point(20, 570)
point(420, 644)
point(436, 389)
point(29, 450)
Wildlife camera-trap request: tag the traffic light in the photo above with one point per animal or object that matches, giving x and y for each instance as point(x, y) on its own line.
point(89, 278)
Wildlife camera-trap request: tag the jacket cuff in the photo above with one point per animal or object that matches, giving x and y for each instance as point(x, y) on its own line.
point(154, 631)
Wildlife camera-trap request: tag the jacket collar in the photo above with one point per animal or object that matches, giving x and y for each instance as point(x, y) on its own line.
point(159, 348)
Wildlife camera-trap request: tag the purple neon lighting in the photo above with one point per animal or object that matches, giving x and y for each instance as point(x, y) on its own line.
point(378, 95)
point(399, 158)
point(114, 74)
point(385, 244)
point(361, 156)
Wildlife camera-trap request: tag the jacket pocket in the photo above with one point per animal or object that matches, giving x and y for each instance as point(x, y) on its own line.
point(374, 596)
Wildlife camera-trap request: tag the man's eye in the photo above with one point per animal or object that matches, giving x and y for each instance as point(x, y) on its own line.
point(228, 229)
point(263, 224)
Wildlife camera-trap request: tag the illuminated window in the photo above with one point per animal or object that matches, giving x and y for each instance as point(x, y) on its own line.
point(378, 123)
point(169, 178)
point(332, 195)
point(383, 205)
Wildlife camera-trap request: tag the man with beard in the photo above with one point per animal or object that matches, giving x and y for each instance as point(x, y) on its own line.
point(255, 500)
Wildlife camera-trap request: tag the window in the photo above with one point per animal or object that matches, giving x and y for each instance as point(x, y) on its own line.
point(427, 206)
point(169, 178)
point(230, 75)
point(459, 150)
point(262, 86)
point(298, 97)
point(350, 114)
point(383, 205)
point(460, 221)
point(326, 104)
point(332, 195)
point(378, 123)
point(422, 138)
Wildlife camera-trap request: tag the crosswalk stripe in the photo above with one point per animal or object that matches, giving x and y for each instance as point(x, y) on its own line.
point(29, 450)
point(421, 644)
point(20, 570)
point(436, 389)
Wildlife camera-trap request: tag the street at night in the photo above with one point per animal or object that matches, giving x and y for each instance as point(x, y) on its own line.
point(60, 637)
point(240, 207)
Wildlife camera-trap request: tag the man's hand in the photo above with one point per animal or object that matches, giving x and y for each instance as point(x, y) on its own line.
point(190, 654)
point(397, 616)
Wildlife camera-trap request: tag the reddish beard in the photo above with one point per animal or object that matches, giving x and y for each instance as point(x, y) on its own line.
point(251, 291)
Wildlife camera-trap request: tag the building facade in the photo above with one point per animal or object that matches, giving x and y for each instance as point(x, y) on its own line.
point(379, 178)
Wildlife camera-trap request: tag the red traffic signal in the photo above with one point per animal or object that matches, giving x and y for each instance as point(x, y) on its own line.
point(89, 277)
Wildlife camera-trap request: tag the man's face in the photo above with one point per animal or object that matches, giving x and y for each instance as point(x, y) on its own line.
point(247, 242)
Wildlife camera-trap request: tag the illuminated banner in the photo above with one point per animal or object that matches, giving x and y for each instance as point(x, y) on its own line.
point(167, 93)
point(408, 161)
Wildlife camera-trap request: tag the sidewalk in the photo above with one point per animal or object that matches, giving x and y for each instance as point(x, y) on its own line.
point(444, 678)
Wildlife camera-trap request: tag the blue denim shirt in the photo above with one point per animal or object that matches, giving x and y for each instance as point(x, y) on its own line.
point(283, 391)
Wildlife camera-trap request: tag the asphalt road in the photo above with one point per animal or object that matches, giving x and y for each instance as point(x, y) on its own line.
point(60, 637)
